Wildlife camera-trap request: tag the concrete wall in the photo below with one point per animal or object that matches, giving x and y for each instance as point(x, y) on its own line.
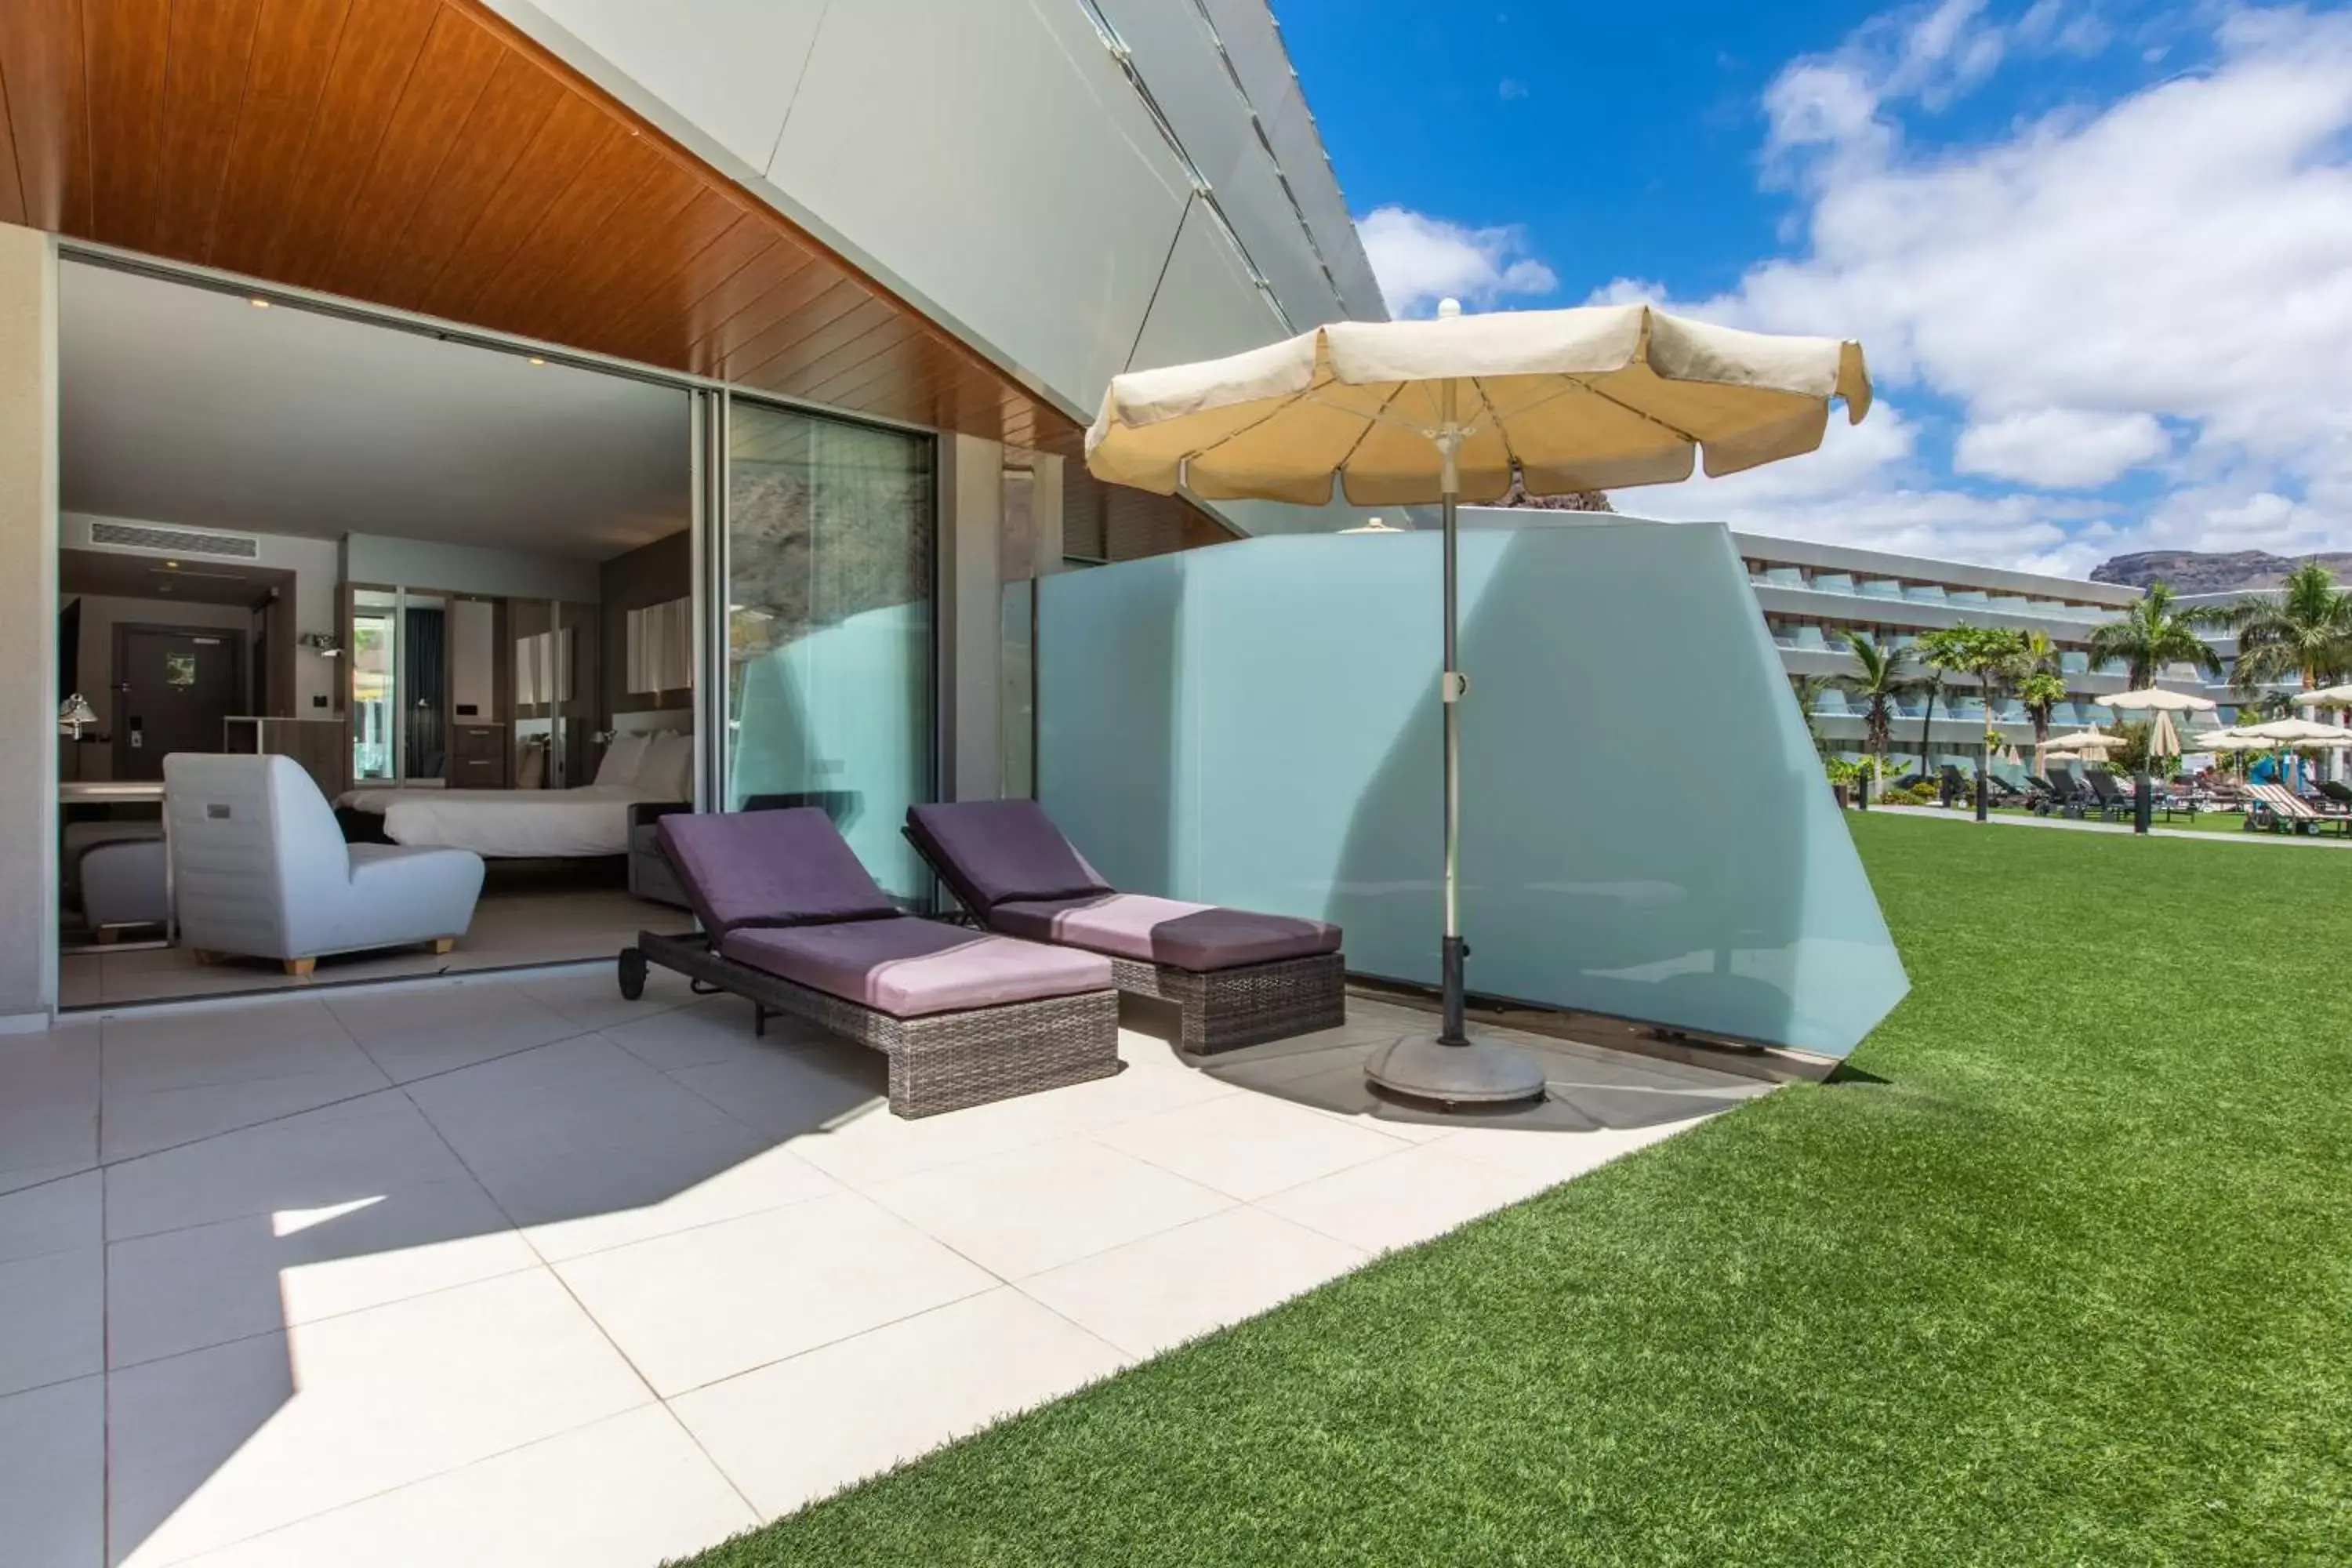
point(29, 627)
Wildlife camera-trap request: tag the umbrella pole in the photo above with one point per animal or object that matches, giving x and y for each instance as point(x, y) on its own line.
point(1452, 687)
point(1454, 1068)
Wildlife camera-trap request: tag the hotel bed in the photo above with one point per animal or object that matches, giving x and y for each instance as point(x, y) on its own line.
point(539, 824)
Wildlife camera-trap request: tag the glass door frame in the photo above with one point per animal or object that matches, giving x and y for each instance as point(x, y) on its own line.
point(713, 442)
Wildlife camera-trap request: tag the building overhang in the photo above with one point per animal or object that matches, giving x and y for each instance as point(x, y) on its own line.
point(427, 157)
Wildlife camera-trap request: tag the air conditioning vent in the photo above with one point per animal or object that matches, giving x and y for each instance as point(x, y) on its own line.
point(150, 539)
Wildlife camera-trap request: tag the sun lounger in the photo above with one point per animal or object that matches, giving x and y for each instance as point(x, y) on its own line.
point(2280, 810)
point(791, 921)
point(1238, 978)
point(2109, 798)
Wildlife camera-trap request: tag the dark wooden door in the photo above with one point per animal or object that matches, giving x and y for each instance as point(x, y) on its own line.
point(172, 686)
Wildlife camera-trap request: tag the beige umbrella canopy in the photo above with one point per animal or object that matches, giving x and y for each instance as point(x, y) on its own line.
point(2326, 696)
point(2300, 734)
point(1597, 398)
point(1464, 407)
point(2091, 740)
point(2156, 700)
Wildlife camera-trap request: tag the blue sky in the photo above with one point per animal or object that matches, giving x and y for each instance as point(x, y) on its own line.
point(2100, 253)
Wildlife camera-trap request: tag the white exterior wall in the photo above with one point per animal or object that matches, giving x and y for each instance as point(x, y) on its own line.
point(29, 627)
point(993, 163)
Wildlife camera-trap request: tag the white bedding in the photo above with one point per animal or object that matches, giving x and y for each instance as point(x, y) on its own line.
point(509, 824)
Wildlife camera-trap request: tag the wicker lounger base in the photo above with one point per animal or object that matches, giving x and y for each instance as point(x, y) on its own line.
point(1225, 1009)
point(941, 1061)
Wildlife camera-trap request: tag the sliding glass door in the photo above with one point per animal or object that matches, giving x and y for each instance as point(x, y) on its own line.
point(829, 627)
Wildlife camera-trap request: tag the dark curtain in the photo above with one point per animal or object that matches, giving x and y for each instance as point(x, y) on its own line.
point(68, 650)
point(425, 678)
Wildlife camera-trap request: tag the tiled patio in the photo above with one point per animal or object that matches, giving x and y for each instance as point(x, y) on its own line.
point(510, 1270)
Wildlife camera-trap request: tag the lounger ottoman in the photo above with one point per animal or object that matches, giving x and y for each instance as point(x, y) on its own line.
point(1238, 978)
point(793, 922)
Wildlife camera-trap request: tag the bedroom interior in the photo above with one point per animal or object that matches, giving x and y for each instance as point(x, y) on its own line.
point(452, 586)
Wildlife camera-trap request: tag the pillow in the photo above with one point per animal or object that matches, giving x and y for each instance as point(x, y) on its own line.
point(1001, 850)
point(769, 868)
point(623, 760)
point(667, 771)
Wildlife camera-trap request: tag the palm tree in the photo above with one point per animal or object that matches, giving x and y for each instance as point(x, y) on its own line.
point(2040, 691)
point(1991, 655)
point(1883, 678)
point(2154, 634)
point(2305, 633)
point(1809, 689)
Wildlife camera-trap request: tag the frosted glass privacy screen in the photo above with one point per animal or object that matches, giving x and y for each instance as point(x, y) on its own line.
point(1646, 832)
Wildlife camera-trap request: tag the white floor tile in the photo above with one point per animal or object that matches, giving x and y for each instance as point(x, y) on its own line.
point(578, 1094)
point(52, 1319)
point(877, 1147)
point(575, 1203)
point(57, 1216)
point(590, 996)
point(1402, 1200)
point(1150, 1295)
point(707, 1303)
point(184, 1048)
point(184, 1289)
point(713, 1030)
point(48, 1104)
point(220, 1444)
point(136, 1124)
point(1247, 1146)
point(357, 1149)
point(1030, 1210)
point(888, 1397)
point(630, 1490)
point(53, 1476)
point(411, 1034)
point(790, 1088)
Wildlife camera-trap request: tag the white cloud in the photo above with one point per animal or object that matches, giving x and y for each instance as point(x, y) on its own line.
point(2079, 289)
point(1419, 260)
point(2060, 448)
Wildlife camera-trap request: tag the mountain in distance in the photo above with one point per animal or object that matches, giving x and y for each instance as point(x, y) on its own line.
point(2213, 571)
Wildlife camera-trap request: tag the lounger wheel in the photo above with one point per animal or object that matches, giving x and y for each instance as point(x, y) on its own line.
point(633, 974)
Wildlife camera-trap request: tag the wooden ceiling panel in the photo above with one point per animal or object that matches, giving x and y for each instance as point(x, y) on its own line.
point(11, 193)
point(42, 68)
point(383, 44)
point(427, 155)
point(203, 88)
point(125, 45)
point(284, 79)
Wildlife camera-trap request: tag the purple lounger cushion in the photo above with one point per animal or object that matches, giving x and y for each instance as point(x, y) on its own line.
point(1000, 850)
point(770, 869)
point(910, 968)
point(1196, 937)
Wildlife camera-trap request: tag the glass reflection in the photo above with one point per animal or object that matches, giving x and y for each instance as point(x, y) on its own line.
point(829, 655)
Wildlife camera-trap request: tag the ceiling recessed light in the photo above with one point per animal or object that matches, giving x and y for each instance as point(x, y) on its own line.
point(173, 564)
point(536, 360)
point(258, 304)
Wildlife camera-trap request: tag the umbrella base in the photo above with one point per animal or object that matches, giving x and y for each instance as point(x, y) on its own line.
point(1481, 1072)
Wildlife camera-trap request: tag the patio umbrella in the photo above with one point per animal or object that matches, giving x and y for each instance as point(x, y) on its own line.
point(1462, 407)
point(2164, 704)
point(2093, 740)
point(2302, 734)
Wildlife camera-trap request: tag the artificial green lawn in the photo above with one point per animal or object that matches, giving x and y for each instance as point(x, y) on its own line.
point(2060, 1273)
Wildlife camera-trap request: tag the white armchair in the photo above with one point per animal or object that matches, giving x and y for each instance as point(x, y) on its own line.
point(260, 867)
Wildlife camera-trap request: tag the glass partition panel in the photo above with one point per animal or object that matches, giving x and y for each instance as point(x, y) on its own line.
point(1258, 725)
point(829, 651)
